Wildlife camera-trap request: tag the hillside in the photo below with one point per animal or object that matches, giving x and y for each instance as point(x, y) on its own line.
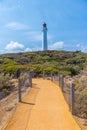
point(67, 63)
point(71, 64)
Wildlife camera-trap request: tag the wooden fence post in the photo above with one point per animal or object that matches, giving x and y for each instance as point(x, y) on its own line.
point(19, 90)
point(51, 76)
point(43, 74)
point(58, 75)
point(72, 92)
point(30, 77)
point(62, 82)
point(59, 80)
point(32, 71)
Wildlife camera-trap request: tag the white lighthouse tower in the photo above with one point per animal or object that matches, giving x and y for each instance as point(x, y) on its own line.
point(44, 37)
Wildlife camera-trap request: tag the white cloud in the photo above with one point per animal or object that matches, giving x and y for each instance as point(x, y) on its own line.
point(57, 45)
point(36, 36)
point(81, 47)
point(14, 47)
point(16, 26)
point(28, 49)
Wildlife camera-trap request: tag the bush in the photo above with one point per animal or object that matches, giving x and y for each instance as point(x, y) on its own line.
point(4, 81)
point(6, 91)
point(81, 104)
point(70, 70)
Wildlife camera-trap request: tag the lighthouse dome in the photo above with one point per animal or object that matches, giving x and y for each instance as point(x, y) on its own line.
point(44, 24)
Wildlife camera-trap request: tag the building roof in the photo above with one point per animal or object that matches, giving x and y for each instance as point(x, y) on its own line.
point(44, 24)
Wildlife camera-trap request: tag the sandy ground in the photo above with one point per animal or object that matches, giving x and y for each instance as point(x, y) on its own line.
point(9, 104)
point(44, 108)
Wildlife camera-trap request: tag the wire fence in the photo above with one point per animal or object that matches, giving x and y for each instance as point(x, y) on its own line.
point(76, 102)
point(9, 103)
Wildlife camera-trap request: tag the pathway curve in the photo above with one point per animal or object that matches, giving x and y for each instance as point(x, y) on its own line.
point(44, 108)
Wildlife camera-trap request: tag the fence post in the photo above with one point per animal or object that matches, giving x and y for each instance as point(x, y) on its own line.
point(72, 92)
point(19, 90)
point(58, 75)
point(30, 77)
point(51, 76)
point(43, 74)
point(62, 82)
point(59, 80)
point(32, 73)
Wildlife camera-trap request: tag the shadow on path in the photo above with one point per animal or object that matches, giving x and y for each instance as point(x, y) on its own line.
point(27, 103)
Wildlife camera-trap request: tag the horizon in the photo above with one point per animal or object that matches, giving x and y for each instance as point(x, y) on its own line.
point(21, 25)
point(21, 52)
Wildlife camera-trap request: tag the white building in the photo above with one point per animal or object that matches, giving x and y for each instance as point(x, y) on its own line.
point(44, 37)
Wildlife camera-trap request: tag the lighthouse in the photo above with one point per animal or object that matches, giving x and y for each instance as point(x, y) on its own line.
point(44, 37)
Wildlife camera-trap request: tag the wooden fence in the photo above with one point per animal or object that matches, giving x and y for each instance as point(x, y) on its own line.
point(71, 95)
point(24, 84)
point(9, 103)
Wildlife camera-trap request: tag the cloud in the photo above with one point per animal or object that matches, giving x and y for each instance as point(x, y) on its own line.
point(57, 45)
point(81, 47)
point(16, 26)
point(28, 49)
point(14, 47)
point(36, 36)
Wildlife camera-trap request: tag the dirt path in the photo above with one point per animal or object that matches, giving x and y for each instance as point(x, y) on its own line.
point(44, 108)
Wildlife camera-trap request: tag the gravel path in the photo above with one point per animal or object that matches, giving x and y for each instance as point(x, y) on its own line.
point(44, 108)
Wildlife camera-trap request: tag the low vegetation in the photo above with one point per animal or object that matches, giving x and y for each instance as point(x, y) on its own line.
point(5, 86)
point(64, 62)
point(81, 96)
point(68, 63)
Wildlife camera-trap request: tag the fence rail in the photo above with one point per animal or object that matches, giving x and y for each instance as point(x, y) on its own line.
point(9, 103)
point(77, 105)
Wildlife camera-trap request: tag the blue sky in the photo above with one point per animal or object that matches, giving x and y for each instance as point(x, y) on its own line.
point(21, 25)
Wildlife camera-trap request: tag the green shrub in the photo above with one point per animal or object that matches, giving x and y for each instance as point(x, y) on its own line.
point(63, 61)
point(4, 81)
point(81, 103)
point(6, 91)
